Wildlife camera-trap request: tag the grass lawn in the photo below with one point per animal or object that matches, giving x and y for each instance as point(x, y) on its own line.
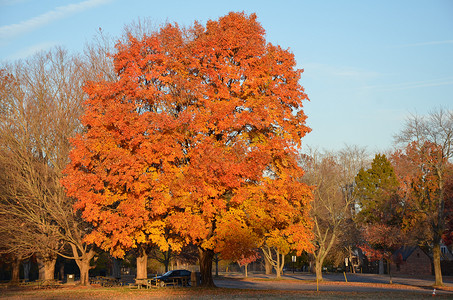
point(96, 292)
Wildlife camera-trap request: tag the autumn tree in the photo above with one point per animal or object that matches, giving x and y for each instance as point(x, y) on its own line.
point(274, 219)
point(246, 260)
point(428, 144)
point(332, 177)
point(201, 125)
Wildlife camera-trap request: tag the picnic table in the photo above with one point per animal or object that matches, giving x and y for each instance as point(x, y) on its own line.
point(173, 281)
point(153, 283)
point(106, 281)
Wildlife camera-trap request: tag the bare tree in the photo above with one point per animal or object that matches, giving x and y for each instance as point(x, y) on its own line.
point(332, 176)
point(140, 28)
point(423, 133)
point(98, 62)
point(12, 247)
point(24, 176)
point(41, 104)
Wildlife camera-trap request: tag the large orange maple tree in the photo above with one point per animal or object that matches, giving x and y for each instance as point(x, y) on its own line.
point(194, 143)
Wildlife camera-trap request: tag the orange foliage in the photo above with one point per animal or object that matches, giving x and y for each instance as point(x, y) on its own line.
point(419, 184)
point(201, 127)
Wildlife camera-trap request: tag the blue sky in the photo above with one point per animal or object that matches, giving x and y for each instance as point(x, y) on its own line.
point(367, 65)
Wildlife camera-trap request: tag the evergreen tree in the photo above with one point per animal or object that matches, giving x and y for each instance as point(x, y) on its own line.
point(377, 192)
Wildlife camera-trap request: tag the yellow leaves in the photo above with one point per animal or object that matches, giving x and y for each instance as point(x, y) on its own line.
point(234, 237)
point(277, 240)
point(140, 238)
point(208, 243)
point(156, 234)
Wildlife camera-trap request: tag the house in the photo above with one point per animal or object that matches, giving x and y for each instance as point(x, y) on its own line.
point(446, 260)
point(445, 254)
point(411, 260)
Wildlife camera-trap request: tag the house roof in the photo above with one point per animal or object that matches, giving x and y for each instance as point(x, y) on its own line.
point(405, 251)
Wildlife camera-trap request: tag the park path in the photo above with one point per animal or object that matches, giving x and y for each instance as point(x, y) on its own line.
point(335, 282)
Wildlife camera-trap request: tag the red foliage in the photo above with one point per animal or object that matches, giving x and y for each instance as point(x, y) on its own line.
point(371, 253)
point(251, 257)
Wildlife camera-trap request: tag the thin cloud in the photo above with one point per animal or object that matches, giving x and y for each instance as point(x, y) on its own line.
point(14, 30)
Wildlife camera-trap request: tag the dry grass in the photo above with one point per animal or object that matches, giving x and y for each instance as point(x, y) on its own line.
point(96, 292)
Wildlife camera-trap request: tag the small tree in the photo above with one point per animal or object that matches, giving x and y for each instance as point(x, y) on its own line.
point(246, 260)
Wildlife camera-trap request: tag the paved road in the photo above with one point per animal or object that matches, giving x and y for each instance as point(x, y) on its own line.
point(333, 282)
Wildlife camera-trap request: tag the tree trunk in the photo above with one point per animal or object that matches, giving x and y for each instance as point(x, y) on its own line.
point(246, 266)
point(318, 269)
point(46, 266)
point(267, 265)
point(206, 256)
point(27, 266)
point(83, 259)
point(142, 264)
point(381, 266)
point(216, 259)
point(436, 262)
point(15, 271)
point(351, 266)
point(278, 268)
point(116, 269)
point(61, 271)
point(389, 268)
point(438, 228)
point(84, 266)
point(279, 261)
point(167, 258)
